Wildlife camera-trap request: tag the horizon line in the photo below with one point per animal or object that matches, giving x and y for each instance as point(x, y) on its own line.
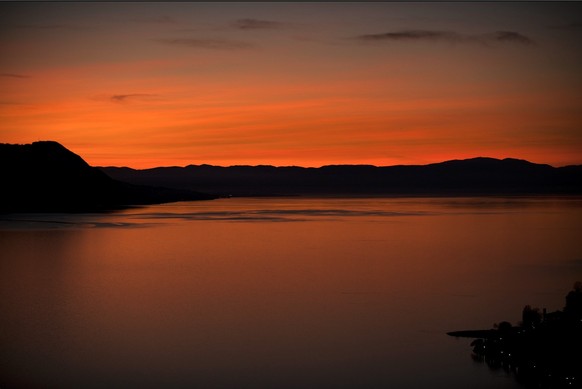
point(297, 166)
point(338, 164)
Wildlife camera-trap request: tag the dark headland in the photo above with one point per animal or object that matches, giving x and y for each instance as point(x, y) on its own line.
point(543, 351)
point(46, 177)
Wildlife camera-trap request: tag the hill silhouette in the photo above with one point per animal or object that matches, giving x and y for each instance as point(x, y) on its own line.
point(476, 176)
point(46, 177)
point(543, 351)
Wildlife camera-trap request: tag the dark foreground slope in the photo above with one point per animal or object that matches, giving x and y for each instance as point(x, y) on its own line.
point(45, 176)
point(543, 351)
point(477, 176)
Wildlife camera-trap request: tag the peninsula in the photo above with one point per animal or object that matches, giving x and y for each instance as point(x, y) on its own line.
point(47, 177)
point(543, 350)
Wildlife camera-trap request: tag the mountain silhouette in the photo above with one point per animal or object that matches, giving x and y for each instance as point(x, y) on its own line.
point(46, 177)
point(476, 176)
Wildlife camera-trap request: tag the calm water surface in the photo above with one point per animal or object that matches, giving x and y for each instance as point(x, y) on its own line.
point(277, 293)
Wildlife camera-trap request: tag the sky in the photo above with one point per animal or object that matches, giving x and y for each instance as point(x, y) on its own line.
point(150, 84)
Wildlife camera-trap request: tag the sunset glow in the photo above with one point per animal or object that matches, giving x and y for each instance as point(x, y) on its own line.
point(161, 84)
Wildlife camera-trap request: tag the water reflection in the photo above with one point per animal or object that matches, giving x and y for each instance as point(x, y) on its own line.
point(355, 293)
point(290, 209)
point(34, 303)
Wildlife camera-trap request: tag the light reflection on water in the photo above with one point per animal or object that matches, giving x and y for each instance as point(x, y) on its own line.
point(337, 293)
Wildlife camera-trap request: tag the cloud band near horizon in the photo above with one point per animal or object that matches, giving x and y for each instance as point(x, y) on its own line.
point(447, 36)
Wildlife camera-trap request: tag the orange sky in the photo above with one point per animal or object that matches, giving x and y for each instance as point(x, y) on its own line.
point(157, 84)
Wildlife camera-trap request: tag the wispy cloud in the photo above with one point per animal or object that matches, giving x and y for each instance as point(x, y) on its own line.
point(411, 35)
point(212, 44)
point(47, 26)
point(575, 25)
point(447, 36)
point(156, 20)
point(14, 75)
point(509, 37)
point(132, 96)
point(257, 24)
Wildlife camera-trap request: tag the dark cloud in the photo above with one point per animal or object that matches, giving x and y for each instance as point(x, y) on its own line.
point(510, 37)
point(131, 96)
point(410, 35)
point(14, 75)
point(447, 36)
point(213, 44)
point(256, 24)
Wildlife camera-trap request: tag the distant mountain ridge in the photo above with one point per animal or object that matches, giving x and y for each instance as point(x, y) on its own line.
point(46, 177)
point(475, 176)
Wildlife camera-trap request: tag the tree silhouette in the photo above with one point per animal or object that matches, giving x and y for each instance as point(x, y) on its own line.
point(531, 317)
point(573, 308)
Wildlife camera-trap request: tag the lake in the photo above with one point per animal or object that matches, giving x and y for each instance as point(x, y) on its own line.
point(277, 292)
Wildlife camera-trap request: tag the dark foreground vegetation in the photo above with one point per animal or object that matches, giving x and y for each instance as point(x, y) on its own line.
point(46, 177)
point(544, 351)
